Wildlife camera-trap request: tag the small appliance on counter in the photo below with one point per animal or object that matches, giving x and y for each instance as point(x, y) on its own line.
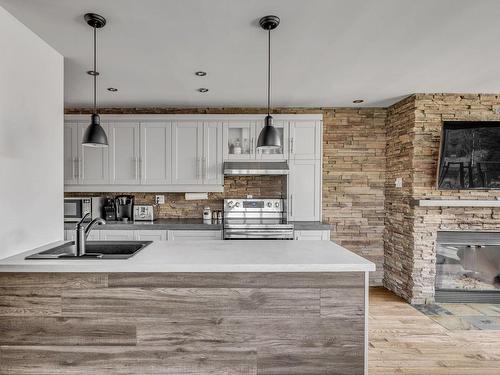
point(207, 215)
point(109, 209)
point(75, 208)
point(124, 207)
point(144, 213)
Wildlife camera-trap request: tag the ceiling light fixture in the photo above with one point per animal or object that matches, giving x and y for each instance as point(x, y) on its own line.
point(95, 135)
point(269, 137)
point(201, 73)
point(112, 89)
point(203, 89)
point(357, 101)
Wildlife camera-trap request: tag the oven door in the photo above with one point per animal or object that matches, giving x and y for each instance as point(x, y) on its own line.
point(258, 234)
point(76, 208)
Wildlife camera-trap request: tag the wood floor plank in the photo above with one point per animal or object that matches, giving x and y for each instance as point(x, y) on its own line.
point(65, 331)
point(218, 302)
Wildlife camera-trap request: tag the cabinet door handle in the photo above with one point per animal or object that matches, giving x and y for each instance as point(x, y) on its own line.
point(204, 167)
point(291, 205)
point(74, 168)
point(252, 150)
point(291, 145)
point(198, 168)
point(139, 164)
point(136, 167)
point(80, 169)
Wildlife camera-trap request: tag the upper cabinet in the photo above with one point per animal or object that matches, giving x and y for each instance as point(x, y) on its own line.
point(240, 140)
point(186, 152)
point(197, 153)
point(83, 165)
point(123, 138)
point(305, 139)
point(156, 153)
point(179, 153)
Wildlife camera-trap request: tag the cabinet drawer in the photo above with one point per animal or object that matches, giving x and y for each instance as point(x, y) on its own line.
point(194, 235)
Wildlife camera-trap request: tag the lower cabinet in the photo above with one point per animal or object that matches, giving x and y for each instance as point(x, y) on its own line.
point(314, 235)
point(150, 235)
point(194, 235)
point(117, 235)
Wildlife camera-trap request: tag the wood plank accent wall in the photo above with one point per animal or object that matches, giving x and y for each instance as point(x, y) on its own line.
point(353, 175)
point(225, 323)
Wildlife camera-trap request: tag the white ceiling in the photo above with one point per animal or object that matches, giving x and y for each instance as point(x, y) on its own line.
point(325, 52)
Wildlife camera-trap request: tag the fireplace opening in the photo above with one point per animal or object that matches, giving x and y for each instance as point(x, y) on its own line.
point(468, 267)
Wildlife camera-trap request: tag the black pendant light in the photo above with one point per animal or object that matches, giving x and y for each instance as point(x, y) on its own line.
point(95, 135)
point(269, 137)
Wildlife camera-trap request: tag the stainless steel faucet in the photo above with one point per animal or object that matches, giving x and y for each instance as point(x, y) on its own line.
point(82, 232)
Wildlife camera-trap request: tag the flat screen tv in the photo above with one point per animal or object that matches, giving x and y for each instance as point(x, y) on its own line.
point(470, 155)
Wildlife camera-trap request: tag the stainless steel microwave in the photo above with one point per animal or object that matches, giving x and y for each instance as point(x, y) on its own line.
point(76, 207)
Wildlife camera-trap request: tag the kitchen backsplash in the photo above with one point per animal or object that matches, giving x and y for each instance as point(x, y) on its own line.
point(176, 206)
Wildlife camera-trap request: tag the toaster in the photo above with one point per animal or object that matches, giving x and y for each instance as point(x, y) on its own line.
point(143, 213)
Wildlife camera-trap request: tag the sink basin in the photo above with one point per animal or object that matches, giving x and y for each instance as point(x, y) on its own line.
point(94, 250)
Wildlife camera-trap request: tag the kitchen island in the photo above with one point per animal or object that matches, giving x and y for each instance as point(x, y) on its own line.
point(218, 307)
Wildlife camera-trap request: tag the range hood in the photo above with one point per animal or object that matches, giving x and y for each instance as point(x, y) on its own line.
point(249, 168)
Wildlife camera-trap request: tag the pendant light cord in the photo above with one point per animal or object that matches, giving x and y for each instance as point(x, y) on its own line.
point(95, 72)
point(269, 72)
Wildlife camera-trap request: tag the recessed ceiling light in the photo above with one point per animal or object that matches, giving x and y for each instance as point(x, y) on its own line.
point(203, 89)
point(201, 73)
point(357, 101)
point(112, 89)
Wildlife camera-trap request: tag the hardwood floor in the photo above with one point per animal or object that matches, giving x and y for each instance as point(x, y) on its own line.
point(404, 341)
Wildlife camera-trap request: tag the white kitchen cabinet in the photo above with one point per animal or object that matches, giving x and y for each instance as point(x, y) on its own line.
point(71, 153)
point(311, 235)
point(304, 190)
point(150, 235)
point(93, 163)
point(187, 146)
point(156, 153)
point(274, 154)
point(123, 138)
point(305, 139)
point(239, 139)
point(212, 173)
point(117, 235)
point(194, 235)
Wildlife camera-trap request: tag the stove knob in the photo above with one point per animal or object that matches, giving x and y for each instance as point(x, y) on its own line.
point(237, 204)
point(269, 204)
point(277, 204)
point(230, 204)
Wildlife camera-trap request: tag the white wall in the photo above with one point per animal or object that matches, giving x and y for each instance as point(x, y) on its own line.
point(31, 139)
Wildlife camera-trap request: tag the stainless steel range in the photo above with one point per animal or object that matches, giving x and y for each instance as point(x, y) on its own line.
point(256, 219)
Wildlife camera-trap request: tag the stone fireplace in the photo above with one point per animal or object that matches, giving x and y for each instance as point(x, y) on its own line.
point(411, 227)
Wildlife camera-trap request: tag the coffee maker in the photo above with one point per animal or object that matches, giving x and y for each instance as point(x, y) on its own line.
point(124, 205)
point(109, 209)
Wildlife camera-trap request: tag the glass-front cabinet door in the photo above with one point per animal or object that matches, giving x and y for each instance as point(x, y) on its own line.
point(275, 154)
point(239, 140)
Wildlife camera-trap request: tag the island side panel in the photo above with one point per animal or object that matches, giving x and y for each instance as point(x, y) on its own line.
point(190, 323)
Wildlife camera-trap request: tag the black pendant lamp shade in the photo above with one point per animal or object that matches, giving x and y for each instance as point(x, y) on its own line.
point(269, 137)
point(95, 135)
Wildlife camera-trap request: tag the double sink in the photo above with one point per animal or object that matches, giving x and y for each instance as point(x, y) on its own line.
point(94, 250)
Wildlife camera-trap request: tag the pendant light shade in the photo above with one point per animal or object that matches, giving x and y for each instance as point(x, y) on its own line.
point(94, 135)
point(269, 137)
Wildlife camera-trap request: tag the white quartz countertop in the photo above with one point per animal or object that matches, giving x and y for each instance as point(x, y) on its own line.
point(207, 256)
